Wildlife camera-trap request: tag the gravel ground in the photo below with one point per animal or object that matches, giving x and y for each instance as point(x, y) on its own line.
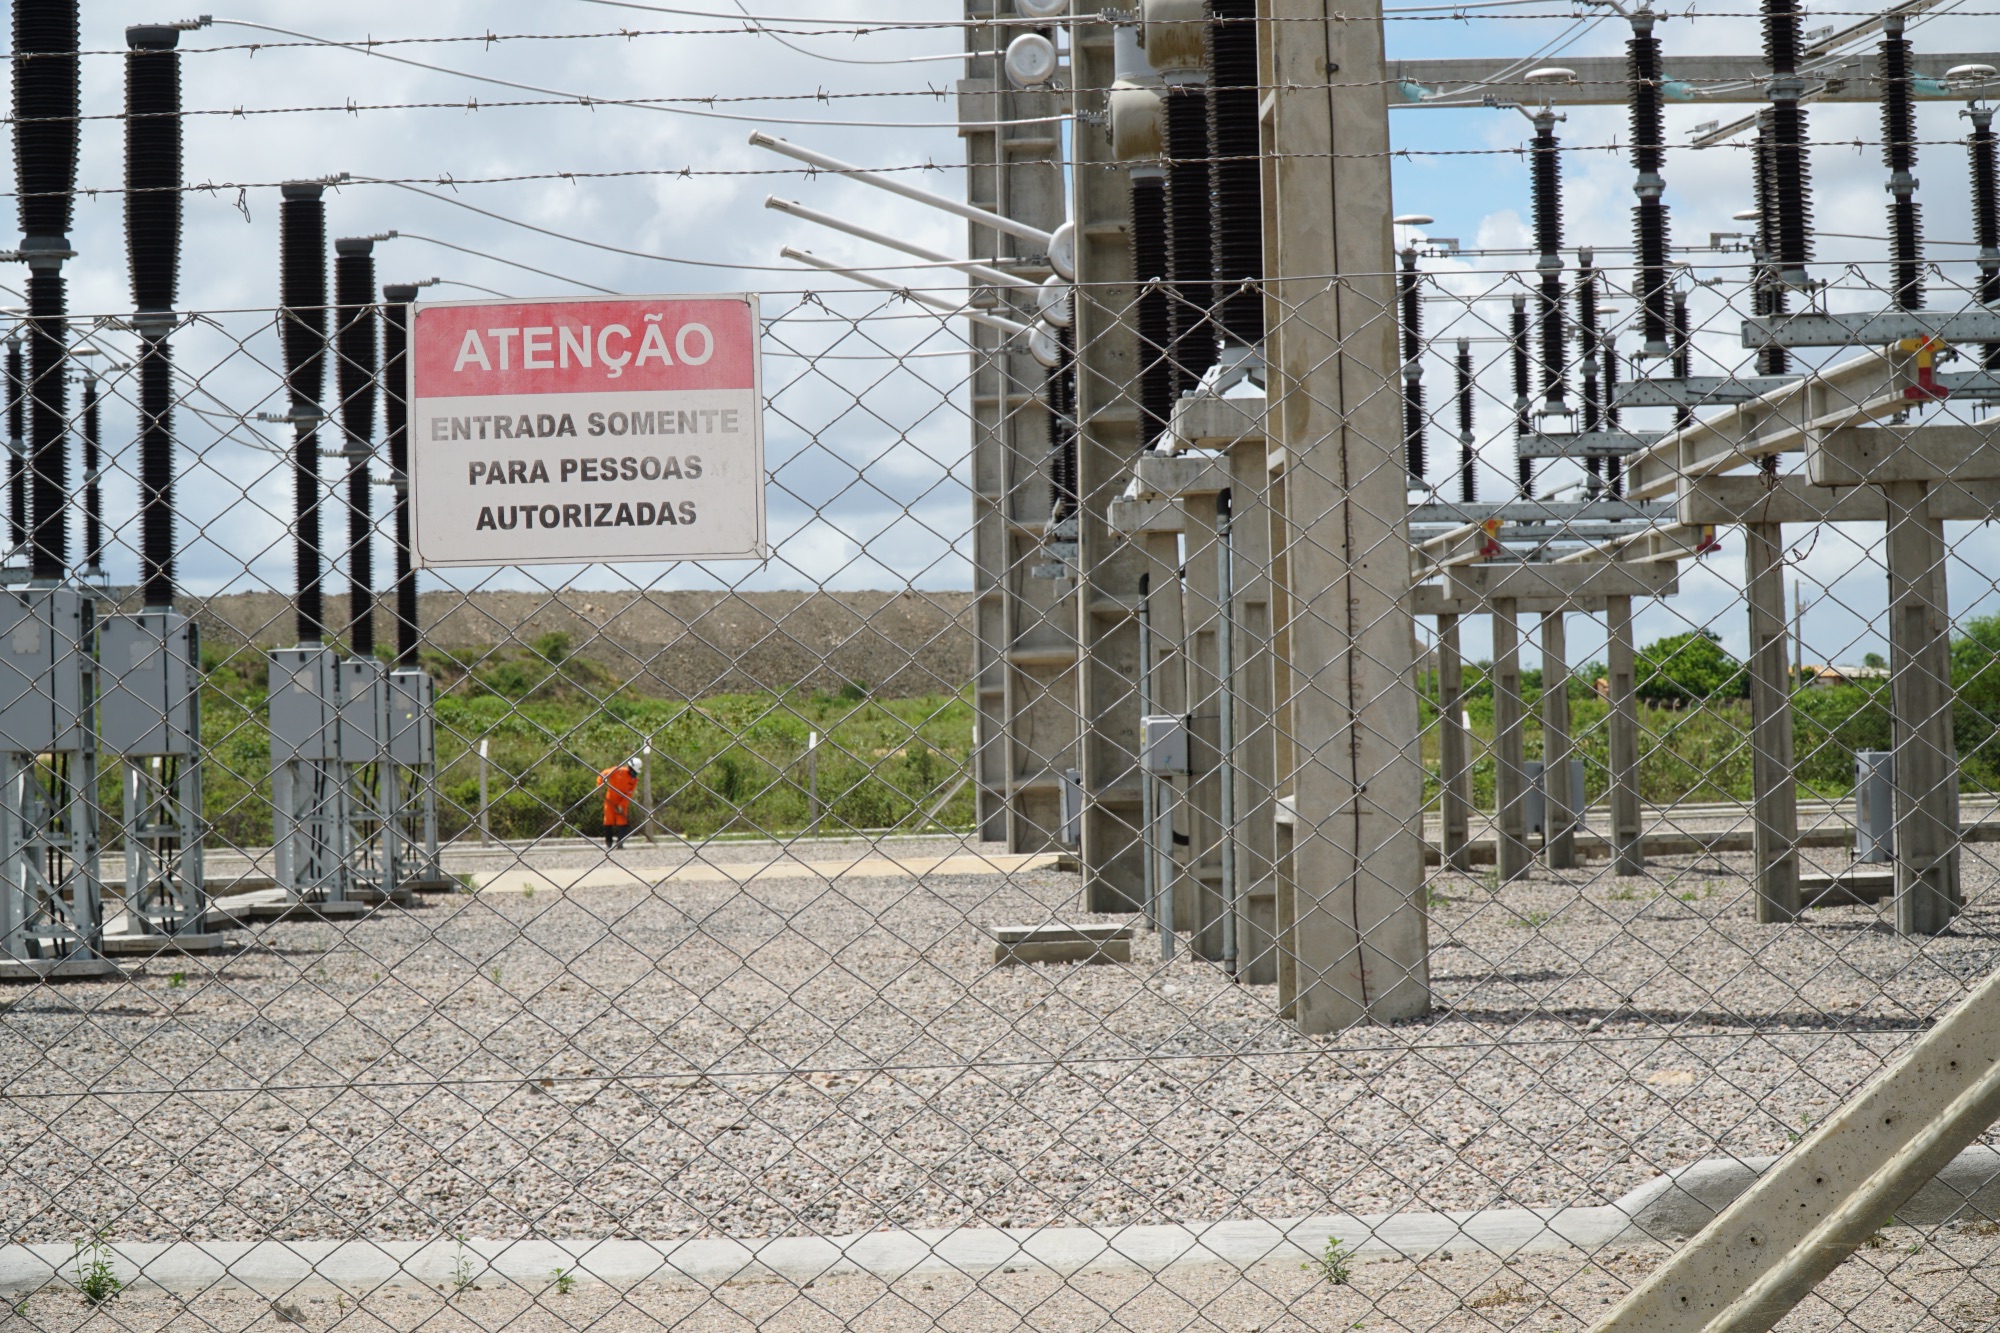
point(1945, 1280)
point(798, 1056)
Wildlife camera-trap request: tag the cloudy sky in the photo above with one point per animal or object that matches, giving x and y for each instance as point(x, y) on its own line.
point(867, 436)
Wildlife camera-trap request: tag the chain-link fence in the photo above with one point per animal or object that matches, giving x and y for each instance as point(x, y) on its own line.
point(1394, 819)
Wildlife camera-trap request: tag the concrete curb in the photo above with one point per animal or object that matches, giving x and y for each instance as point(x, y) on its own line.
point(1665, 1210)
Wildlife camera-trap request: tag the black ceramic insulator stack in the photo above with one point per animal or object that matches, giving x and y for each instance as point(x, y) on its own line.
point(1238, 204)
point(1190, 235)
point(1683, 356)
point(1986, 216)
point(17, 443)
point(1061, 392)
point(1899, 154)
point(1614, 467)
point(1650, 223)
point(1791, 164)
point(153, 243)
point(45, 149)
point(303, 321)
point(1414, 420)
point(1468, 488)
point(93, 491)
point(1155, 316)
point(1768, 295)
point(1545, 161)
point(1587, 351)
point(1517, 340)
point(357, 345)
point(396, 300)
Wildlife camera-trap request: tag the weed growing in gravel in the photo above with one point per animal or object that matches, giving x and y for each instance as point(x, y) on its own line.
point(1334, 1263)
point(94, 1276)
point(564, 1281)
point(1624, 893)
point(1531, 919)
point(178, 981)
point(461, 1268)
point(527, 890)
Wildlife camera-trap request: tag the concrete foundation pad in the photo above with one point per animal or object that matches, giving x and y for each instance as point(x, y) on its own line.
point(1056, 942)
point(147, 946)
point(236, 915)
point(1847, 889)
point(1594, 847)
point(446, 884)
point(1666, 1210)
point(34, 971)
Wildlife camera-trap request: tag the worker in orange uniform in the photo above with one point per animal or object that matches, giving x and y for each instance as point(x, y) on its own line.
point(619, 782)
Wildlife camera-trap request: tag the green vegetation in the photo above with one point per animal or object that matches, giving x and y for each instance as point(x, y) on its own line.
point(1694, 721)
point(563, 1280)
point(96, 1279)
point(1334, 1263)
point(724, 764)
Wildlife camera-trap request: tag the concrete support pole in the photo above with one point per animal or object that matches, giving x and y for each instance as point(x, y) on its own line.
point(1628, 851)
point(1510, 774)
point(1926, 763)
point(1360, 932)
point(1107, 410)
point(1454, 751)
point(1204, 693)
point(1168, 615)
point(1774, 784)
point(1256, 731)
point(1560, 804)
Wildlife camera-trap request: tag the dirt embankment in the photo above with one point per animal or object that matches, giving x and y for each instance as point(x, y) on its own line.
point(695, 643)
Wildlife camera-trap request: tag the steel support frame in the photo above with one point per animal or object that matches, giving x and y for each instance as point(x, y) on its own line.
point(1024, 643)
point(1110, 564)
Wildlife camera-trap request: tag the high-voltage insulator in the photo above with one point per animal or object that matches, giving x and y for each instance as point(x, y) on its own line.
point(1899, 154)
point(1587, 343)
point(1614, 467)
point(153, 242)
point(1190, 234)
point(357, 345)
point(93, 488)
point(17, 444)
point(1769, 295)
point(1468, 486)
point(1061, 405)
point(1683, 356)
point(45, 152)
point(1545, 164)
point(396, 299)
point(1517, 342)
point(1154, 315)
point(1238, 211)
point(1791, 164)
point(303, 321)
point(1986, 214)
point(1650, 223)
point(1414, 420)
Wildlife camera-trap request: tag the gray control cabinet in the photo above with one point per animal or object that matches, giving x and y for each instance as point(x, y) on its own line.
point(412, 731)
point(305, 704)
point(47, 670)
point(149, 673)
point(364, 709)
point(1163, 750)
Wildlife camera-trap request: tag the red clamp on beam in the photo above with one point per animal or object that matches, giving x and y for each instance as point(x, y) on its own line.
point(1708, 540)
point(1926, 389)
point(1491, 547)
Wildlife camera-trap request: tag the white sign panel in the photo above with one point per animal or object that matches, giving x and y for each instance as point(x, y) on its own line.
point(586, 431)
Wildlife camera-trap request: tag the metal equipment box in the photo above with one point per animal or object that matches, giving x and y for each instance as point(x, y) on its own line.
point(305, 704)
point(364, 710)
point(412, 719)
point(1163, 750)
point(149, 669)
point(47, 670)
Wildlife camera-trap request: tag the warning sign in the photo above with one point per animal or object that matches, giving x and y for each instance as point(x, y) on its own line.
point(586, 432)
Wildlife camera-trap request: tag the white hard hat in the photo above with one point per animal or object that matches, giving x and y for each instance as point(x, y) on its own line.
point(635, 763)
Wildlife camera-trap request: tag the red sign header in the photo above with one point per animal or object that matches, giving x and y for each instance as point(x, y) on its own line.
point(611, 345)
